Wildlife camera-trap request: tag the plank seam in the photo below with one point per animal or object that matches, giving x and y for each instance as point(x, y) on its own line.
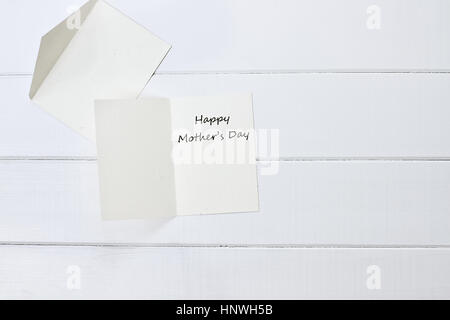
point(281, 159)
point(267, 72)
point(217, 246)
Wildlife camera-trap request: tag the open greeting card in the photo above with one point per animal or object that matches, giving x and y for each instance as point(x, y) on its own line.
point(161, 157)
point(96, 53)
point(157, 157)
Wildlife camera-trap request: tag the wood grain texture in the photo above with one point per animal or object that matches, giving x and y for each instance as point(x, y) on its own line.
point(213, 273)
point(316, 115)
point(304, 61)
point(312, 203)
point(230, 35)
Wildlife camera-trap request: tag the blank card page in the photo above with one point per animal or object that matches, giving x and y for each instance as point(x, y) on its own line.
point(134, 158)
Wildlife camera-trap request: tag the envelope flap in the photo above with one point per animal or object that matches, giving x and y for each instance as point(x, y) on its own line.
point(55, 42)
point(109, 57)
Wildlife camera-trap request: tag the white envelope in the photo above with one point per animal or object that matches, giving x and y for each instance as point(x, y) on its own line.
point(157, 157)
point(96, 53)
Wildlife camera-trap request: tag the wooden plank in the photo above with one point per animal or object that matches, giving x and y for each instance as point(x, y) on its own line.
point(312, 203)
point(27, 130)
point(316, 115)
point(230, 35)
point(214, 273)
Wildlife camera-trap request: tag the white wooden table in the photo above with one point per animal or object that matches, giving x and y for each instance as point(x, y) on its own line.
point(356, 203)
